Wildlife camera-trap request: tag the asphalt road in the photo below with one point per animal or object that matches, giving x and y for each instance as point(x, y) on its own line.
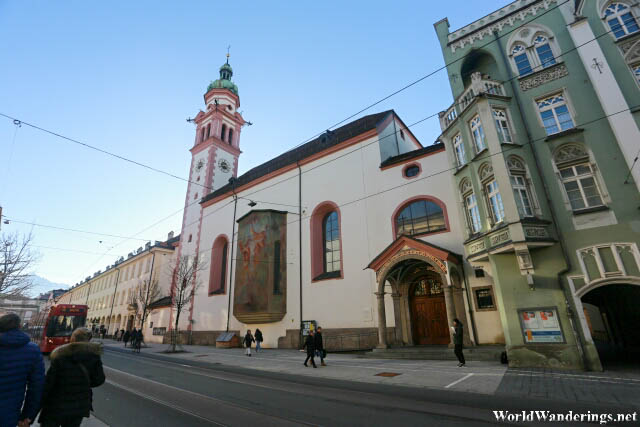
point(152, 390)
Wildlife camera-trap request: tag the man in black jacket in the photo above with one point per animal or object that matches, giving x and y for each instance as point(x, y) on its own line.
point(310, 345)
point(319, 346)
point(75, 368)
point(458, 339)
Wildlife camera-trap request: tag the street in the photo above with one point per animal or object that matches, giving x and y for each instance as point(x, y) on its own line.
point(148, 389)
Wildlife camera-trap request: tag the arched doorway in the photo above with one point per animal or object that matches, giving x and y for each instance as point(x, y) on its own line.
point(612, 315)
point(428, 310)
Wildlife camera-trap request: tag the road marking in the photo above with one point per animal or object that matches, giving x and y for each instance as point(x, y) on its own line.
point(458, 381)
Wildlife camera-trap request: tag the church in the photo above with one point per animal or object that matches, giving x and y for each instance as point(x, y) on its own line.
point(354, 231)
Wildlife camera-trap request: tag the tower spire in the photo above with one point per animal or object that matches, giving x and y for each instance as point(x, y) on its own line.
point(228, 48)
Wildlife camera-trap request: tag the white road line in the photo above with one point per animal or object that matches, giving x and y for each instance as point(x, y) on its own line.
point(458, 381)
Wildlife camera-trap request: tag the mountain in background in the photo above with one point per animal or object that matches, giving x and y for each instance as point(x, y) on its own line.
point(40, 285)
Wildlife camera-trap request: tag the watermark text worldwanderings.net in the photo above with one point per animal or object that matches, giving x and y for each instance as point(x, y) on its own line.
point(569, 416)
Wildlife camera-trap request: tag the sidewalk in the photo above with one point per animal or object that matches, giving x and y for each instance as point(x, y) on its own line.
point(618, 389)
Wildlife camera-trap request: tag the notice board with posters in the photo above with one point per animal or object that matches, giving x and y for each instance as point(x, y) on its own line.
point(307, 326)
point(541, 325)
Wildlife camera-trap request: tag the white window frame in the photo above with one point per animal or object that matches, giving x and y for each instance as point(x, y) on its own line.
point(475, 124)
point(547, 103)
point(578, 179)
point(618, 15)
point(521, 49)
point(635, 70)
point(501, 120)
point(520, 186)
point(539, 41)
point(458, 149)
point(472, 212)
point(493, 195)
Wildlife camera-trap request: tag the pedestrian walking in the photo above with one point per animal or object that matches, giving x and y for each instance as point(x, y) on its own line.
point(458, 339)
point(139, 340)
point(121, 335)
point(133, 336)
point(248, 339)
point(75, 369)
point(21, 374)
point(126, 337)
point(259, 339)
point(103, 331)
point(310, 345)
point(319, 346)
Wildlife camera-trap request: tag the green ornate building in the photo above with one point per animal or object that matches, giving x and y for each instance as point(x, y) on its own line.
point(542, 138)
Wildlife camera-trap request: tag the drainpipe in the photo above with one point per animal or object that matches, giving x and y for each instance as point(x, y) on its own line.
point(113, 300)
point(300, 240)
point(233, 237)
point(547, 196)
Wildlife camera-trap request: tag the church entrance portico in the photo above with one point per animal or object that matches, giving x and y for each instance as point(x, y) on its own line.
point(423, 282)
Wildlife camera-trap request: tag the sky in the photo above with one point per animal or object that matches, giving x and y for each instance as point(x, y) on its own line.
point(125, 76)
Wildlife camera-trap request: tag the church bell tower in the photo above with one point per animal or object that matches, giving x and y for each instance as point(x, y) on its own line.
point(215, 152)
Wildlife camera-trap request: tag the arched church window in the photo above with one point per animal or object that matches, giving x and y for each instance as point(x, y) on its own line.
point(331, 242)
point(230, 136)
point(326, 250)
point(208, 130)
point(420, 217)
point(620, 19)
point(202, 136)
point(218, 274)
point(223, 133)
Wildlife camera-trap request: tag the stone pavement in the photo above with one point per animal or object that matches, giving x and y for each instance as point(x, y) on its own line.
point(618, 388)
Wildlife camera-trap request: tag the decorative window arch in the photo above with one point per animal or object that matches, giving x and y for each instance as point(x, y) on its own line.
point(208, 130)
point(521, 185)
point(203, 134)
point(218, 269)
point(472, 213)
point(532, 48)
point(230, 136)
point(326, 242)
point(420, 215)
point(223, 132)
point(620, 19)
point(579, 179)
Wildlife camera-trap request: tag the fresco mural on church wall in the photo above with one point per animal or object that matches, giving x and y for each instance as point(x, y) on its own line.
point(260, 287)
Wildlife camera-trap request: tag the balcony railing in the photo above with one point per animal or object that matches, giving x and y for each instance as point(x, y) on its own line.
point(479, 85)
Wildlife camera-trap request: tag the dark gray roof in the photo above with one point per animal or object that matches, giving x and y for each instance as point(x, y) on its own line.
point(401, 158)
point(326, 140)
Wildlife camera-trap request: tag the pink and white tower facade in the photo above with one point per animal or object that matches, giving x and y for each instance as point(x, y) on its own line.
point(214, 155)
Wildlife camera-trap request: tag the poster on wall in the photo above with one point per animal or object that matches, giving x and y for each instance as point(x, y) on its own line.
point(540, 326)
point(307, 326)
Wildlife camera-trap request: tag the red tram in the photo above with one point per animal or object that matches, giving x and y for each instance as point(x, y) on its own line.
point(54, 328)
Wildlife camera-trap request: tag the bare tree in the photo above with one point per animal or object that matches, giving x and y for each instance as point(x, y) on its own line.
point(146, 293)
point(184, 285)
point(16, 261)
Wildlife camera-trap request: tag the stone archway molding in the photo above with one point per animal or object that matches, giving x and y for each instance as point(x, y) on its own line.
point(619, 280)
point(402, 249)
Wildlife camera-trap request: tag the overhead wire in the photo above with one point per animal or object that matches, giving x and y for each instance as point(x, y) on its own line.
point(248, 195)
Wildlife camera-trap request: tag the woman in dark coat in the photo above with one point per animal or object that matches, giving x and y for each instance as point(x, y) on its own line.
point(319, 346)
point(458, 339)
point(310, 345)
point(126, 337)
point(75, 368)
point(248, 339)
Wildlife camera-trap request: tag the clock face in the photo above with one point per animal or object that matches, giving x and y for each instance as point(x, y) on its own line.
point(224, 165)
point(199, 165)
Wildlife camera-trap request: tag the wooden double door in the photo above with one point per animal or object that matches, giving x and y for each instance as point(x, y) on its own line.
point(429, 315)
